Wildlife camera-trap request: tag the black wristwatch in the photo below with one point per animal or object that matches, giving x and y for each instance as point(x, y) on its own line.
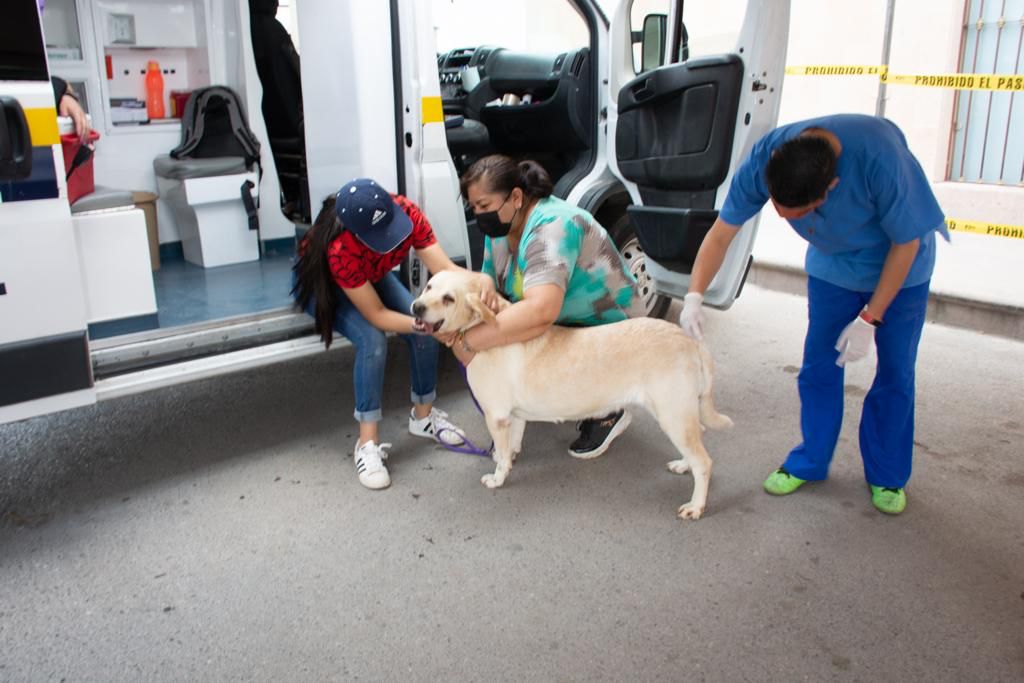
point(868, 318)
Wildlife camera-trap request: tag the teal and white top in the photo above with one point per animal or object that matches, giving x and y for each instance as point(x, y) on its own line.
point(563, 245)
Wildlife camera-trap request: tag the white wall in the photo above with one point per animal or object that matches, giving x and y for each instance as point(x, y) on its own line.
point(926, 39)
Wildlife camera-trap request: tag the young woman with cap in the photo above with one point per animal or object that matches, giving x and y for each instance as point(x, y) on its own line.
point(556, 264)
point(344, 279)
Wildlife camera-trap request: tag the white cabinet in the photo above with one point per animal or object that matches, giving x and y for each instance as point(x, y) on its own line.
point(148, 23)
point(61, 33)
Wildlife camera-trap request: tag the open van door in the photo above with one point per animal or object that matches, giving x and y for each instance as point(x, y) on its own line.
point(682, 120)
point(44, 352)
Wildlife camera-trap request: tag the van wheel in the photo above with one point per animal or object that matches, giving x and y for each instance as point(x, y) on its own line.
point(628, 245)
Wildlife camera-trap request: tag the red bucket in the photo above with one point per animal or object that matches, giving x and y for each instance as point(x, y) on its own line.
point(78, 164)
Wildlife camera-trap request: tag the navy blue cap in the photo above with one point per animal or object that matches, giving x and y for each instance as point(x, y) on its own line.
point(367, 210)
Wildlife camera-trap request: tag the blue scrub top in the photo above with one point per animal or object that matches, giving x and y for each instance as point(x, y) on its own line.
point(883, 197)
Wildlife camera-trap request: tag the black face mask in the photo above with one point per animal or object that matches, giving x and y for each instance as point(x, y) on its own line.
point(491, 225)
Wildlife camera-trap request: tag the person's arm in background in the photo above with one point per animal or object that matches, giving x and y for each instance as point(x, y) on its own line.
point(67, 105)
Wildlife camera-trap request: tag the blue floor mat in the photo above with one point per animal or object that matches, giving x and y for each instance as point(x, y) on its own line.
point(186, 293)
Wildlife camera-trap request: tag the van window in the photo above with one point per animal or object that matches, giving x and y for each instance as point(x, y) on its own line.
point(536, 26)
point(712, 28)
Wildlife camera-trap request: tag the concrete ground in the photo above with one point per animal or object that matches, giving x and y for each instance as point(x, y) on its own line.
point(217, 532)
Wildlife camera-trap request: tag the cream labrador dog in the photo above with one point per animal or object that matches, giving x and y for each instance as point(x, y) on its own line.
point(576, 373)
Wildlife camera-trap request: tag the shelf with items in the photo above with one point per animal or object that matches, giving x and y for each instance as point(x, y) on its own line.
point(133, 33)
point(182, 71)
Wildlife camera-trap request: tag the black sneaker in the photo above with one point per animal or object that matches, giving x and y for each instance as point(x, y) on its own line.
point(596, 435)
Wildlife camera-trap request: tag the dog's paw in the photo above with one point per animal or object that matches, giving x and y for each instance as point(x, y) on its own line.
point(492, 481)
point(690, 511)
point(678, 467)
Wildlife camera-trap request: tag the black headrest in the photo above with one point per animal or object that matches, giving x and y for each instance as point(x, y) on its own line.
point(263, 7)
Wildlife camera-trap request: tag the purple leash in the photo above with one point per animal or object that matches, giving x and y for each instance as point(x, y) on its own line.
point(468, 447)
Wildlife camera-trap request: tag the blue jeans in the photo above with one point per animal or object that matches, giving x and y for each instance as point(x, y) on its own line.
point(371, 346)
point(887, 420)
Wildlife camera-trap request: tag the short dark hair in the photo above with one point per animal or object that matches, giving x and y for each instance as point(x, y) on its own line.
point(501, 174)
point(800, 171)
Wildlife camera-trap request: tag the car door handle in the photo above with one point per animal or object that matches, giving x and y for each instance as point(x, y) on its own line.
point(641, 91)
point(15, 141)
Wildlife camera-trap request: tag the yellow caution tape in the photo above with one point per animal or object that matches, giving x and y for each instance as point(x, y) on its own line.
point(431, 110)
point(1003, 82)
point(982, 228)
point(835, 70)
point(1000, 82)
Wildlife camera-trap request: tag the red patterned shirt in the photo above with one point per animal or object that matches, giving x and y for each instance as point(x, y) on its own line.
point(353, 264)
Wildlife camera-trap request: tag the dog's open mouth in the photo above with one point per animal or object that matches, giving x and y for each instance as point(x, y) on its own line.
point(420, 322)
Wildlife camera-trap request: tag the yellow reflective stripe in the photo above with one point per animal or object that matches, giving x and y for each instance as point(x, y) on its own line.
point(42, 124)
point(983, 228)
point(432, 111)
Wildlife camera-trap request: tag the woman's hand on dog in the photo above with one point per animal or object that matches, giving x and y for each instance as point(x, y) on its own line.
point(488, 294)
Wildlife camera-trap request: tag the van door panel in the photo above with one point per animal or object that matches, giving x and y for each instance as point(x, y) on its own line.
point(682, 129)
point(44, 352)
point(676, 125)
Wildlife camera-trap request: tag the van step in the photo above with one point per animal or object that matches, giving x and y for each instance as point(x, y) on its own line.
point(153, 348)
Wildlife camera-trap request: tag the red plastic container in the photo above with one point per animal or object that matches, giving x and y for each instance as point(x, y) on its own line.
point(178, 100)
point(80, 181)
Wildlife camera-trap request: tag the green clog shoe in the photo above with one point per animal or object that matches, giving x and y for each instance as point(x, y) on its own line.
point(782, 483)
point(888, 500)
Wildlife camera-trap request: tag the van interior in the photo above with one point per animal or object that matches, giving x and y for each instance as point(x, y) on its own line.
point(495, 99)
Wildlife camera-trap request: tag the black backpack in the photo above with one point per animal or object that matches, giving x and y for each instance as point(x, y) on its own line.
point(214, 125)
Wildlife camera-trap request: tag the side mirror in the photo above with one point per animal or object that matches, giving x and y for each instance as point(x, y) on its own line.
point(652, 42)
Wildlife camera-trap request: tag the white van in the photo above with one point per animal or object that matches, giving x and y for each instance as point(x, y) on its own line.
point(636, 122)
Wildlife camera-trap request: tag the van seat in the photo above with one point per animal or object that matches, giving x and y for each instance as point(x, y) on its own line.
point(182, 169)
point(102, 199)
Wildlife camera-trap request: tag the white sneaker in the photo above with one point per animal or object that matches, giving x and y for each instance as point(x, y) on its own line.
point(370, 459)
point(436, 426)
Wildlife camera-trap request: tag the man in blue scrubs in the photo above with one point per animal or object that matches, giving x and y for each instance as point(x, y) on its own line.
point(849, 185)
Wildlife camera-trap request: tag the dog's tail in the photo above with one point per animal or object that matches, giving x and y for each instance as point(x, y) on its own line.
point(709, 417)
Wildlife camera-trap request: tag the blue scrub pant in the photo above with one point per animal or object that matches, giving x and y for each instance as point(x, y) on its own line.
point(887, 420)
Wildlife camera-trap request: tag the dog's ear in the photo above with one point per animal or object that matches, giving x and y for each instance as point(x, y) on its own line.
point(477, 306)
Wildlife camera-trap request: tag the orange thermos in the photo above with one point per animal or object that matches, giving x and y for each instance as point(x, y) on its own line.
point(154, 91)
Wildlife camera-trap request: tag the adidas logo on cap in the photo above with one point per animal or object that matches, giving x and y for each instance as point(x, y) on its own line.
point(378, 216)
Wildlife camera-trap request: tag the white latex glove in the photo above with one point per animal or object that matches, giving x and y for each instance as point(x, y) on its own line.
point(692, 317)
point(855, 341)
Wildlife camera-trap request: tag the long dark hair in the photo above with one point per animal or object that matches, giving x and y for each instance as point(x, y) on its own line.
point(501, 174)
point(313, 279)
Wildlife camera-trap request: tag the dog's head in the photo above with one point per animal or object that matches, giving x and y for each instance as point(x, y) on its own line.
point(451, 302)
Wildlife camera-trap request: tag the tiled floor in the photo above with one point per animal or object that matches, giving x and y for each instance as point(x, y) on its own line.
point(186, 293)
